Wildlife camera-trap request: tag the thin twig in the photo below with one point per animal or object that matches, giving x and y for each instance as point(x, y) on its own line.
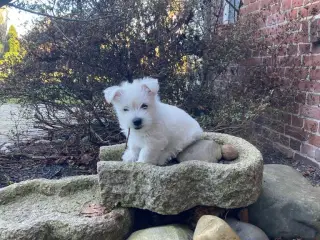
point(127, 138)
point(55, 17)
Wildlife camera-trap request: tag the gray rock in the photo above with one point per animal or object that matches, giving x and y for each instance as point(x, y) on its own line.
point(203, 150)
point(289, 205)
point(168, 232)
point(173, 189)
point(53, 209)
point(246, 231)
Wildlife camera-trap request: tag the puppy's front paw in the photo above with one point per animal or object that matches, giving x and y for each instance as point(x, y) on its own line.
point(129, 157)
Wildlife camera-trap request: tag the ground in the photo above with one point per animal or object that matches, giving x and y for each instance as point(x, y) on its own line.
point(55, 160)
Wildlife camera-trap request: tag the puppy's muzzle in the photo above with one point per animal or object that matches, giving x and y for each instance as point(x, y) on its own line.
point(137, 122)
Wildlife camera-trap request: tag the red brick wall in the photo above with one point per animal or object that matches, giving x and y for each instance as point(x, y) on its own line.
point(295, 133)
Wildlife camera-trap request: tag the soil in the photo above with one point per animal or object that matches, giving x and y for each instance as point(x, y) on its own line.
point(53, 160)
point(44, 159)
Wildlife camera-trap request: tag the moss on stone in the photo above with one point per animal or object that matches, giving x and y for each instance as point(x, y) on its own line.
point(111, 153)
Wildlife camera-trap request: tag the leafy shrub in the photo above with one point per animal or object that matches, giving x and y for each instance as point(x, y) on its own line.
point(209, 69)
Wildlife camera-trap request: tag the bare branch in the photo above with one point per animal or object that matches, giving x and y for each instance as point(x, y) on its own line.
point(55, 17)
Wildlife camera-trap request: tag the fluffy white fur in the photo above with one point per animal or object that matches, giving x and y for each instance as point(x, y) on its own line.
point(164, 131)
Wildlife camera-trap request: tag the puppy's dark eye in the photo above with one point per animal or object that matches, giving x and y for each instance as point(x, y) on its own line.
point(144, 106)
point(126, 109)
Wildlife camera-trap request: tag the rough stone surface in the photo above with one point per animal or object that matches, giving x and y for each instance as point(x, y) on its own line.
point(173, 189)
point(229, 152)
point(51, 209)
point(289, 205)
point(214, 228)
point(168, 232)
point(111, 153)
point(246, 231)
point(203, 150)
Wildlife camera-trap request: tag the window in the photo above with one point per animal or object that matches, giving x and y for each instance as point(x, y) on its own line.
point(231, 11)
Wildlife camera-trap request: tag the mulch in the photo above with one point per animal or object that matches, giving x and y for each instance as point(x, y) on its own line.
point(56, 160)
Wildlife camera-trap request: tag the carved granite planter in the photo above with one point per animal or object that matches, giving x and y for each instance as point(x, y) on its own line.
point(176, 188)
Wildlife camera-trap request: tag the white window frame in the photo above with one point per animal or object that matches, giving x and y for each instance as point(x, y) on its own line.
point(229, 13)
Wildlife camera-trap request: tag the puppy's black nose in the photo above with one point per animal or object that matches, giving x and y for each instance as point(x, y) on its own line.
point(137, 122)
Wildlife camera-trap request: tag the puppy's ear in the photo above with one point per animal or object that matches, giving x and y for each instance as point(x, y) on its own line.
point(112, 94)
point(150, 85)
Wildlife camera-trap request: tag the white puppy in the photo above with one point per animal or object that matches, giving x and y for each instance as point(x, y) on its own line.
point(158, 131)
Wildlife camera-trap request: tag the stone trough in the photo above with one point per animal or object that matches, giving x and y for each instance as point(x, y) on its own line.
point(53, 209)
point(173, 189)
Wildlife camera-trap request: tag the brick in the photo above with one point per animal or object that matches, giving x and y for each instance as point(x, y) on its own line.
point(284, 150)
point(304, 26)
point(297, 72)
point(252, 7)
point(314, 30)
point(304, 48)
point(313, 99)
point(244, 10)
point(281, 51)
point(297, 133)
point(289, 61)
point(297, 121)
point(313, 9)
point(297, 3)
point(286, 5)
point(300, 97)
point(267, 61)
point(292, 50)
point(276, 126)
point(284, 140)
point(284, 117)
point(312, 60)
point(308, 150)
point(293, 107)
point(310, 125)
point(314, 74)
point(295, 144)
point(303, 12)
point(314, 140)
point(275, 8)
point(304, 159)
point(317, 157)
point(301, 37)
point(311, 112)
point(309, 86)
point(267, 133)
point(246, 2)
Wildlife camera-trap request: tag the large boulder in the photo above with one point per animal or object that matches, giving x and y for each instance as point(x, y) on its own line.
point(173, 189)
point(168, 232)
point(289, 205)
point(59, 209)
